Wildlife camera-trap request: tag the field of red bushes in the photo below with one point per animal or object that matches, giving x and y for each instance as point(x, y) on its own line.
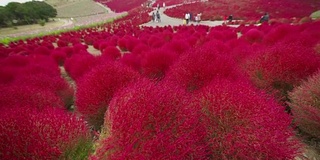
point(248, 9)
point(182, 92)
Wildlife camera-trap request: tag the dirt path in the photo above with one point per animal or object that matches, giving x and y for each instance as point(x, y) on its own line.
point(32, 29)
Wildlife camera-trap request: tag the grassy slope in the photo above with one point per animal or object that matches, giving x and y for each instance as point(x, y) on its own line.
point(80, 9)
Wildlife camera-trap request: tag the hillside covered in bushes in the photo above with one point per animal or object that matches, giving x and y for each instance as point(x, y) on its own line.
point(173, 92)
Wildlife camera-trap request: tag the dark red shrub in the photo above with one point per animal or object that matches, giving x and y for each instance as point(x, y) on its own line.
point(177, 46)
point(59, 56)
point(42, 50)
point(122, 44)
point(305, 106)
point(62, 43)
point(97, 87)
point(28, 133)
point(79, 64)
point(243, 123)
point(7, 75)
point(253, 36)
point(155, 42)
point(279, 32)
point(150, 121)
point(57, 85)
point(15, 61)
point(40, 64)
point(15, 95)
point(140, 48)
point(111, 52)
point(77, 48)
point(132, 60)
point(155, 63)
point(198, 67)
point(281, 67)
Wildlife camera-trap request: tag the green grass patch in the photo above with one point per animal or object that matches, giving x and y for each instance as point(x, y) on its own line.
point(8, 40)
point(80, 151)
point(315, 15)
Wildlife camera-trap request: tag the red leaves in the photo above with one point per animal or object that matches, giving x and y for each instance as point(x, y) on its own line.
point(243, 123)
point(156, 63)
point(148, 120)
point(96, 89)
point(199, 67)
point(305, 105)
point(28, 133)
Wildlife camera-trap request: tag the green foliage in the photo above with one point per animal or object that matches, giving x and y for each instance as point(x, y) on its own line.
point(26, 13)
point(41, 22)
point(8, 40)
point(80, 151)
point(315, 15)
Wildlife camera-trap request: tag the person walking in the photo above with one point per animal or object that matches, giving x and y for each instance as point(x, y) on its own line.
point(265, 18)
point(153, 17)
point(187, 18)
point(158, 16)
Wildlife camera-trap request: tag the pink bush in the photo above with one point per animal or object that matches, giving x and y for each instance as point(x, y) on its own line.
point(40, 64)
point(79, 64)
point(305, 105)
point(15, 95)
point(280, 32)
point(150, 121)
point(132, 60)
point(155, 63)
point(42, 50)
point(97, 87)
point(198, 67)
point(111, 52)
point(281, 67)
point(253, 36)
point(57, 85)
point(15, 61)
point(140, 48)
point(59, 57)
point(177, 46)
point(243, 123)
point(28, 133)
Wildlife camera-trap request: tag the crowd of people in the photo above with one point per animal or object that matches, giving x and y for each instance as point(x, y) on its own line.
point(189, 18)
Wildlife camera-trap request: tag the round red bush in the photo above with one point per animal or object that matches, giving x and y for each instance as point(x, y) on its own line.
point(152, 121)
point(97, 87)
point(28, 133)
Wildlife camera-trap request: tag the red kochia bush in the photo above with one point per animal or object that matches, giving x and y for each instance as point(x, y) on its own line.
point(282, 66)
point(156, 62)
point(79, 64)
point(57, 85)
point(253, 35)
point(111, 52)
point(97, 87)
point(59, 57)
point(28, 133)
point(15, 95)
point(305, 105)
point(243, 123)
point(199, 67)
point(152, 121)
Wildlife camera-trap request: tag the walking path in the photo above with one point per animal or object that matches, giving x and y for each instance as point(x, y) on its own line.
point(166, 20)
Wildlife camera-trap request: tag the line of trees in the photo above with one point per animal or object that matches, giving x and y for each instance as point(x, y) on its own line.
point(15, 13)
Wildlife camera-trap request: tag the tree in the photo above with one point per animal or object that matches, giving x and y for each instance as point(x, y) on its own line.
point(4, 16)
point(44, 10)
